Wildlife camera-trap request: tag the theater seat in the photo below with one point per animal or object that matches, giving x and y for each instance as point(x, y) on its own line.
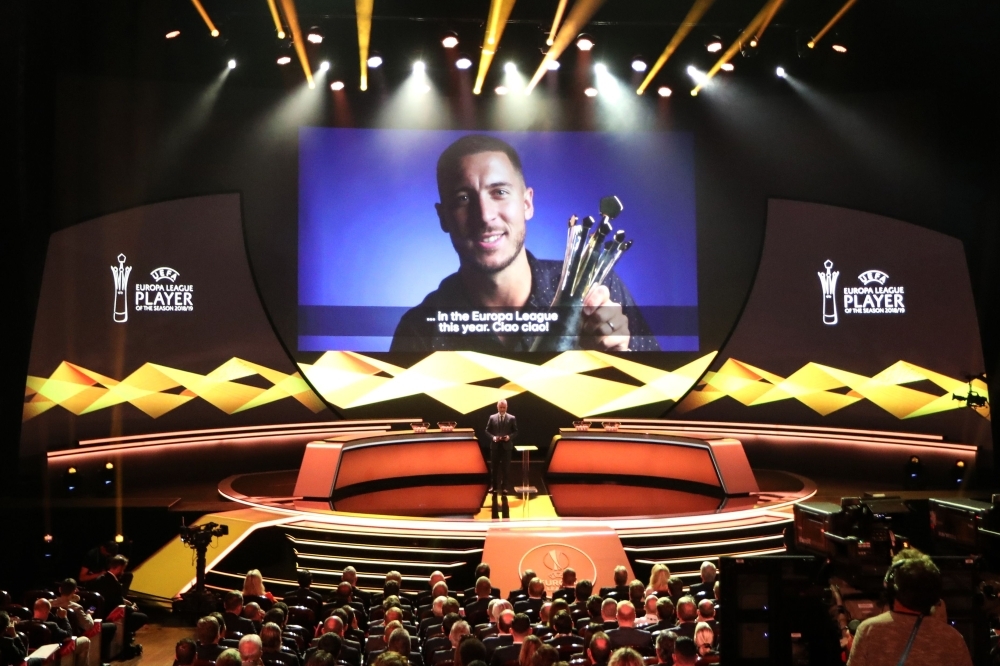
point(264, 603)
point(302, 615)
point(36, 632)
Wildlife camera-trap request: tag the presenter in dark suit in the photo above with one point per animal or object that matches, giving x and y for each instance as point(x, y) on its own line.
point(502, 429)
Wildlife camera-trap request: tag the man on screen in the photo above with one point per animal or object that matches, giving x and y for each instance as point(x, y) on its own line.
point(485, 205)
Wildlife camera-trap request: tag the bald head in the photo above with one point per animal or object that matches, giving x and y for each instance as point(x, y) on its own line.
point(625, 614)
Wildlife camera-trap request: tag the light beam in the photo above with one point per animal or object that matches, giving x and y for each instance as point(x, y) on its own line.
point(694, 15)
point(831, 23)
point(578, 17)
point(292, 16)
point(560, 10)
point(276, 18)
point(766, 12)
point(499, 13)
point(364, 9)
point(204, 17)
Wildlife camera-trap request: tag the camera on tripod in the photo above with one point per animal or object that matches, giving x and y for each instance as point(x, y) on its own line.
point(200, 536)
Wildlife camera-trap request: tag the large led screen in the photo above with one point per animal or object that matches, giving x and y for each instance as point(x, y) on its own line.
point(411, 240)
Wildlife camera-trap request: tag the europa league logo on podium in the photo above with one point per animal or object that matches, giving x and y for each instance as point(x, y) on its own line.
point(828, 281)
point(120, 274)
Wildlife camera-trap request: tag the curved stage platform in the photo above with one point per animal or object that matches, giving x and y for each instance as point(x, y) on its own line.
point(384, 499)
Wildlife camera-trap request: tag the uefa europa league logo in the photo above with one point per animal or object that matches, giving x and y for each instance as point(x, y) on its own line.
point(120, 274)
point(828, 281)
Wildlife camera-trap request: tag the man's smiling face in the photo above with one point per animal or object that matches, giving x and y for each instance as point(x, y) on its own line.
point(485, 211)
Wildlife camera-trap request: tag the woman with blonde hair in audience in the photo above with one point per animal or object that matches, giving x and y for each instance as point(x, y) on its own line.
point(528, 649)
point(658, 580)
point(704, 637)
point(626, 656)
point(253, 586)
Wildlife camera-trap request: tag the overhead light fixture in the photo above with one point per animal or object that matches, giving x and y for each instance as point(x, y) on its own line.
point(584, 42)
point(70, 480)
point(510, 68)
point(284, 60)
point(314, 36)
point(450, 40)
point(215, 33)
point(419, 67)
point(337, 85)
point(780, 72)
point(753, 43)
point(552, 65)
point(374, 60)
point(324, 66)
point(726, 67)
point(639, 64)
point(714, 44)
point(232, 64)
point(173, 33)
point(664, 91)
point(463, 62)
point(501, 90)
point(590, 92)
point(839, 48)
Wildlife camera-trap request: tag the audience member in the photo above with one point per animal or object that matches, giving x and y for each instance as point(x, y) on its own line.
point(235, 622)
point(666, 614)
point(583, 590)
point(350, 575)
point(636, 594)
point(470, 649)
point(685, 652)
point(520, 629)
point(250, 650)
point(522, 592)
point(391, 659)
point(207, 632)
point(253, 586)
point(914, 583)
point(706, 614)
point(704, 639)
point(650, 616)
point(529, 647)
point(705, 589)
point(568, 589)
point(665, 647)
point(675, 588)
point(231, 657)
point(95, 562)
point(599, 649)
point(112, 586)
point(503, 636)
point(321, 658)
point(12, 649)
point(58, 625)
point(304, 591)
point(185, 652)
point(626, 635)
point(620, 589)
point(399, 642)
point(545, 655)
point(82, 622)
point(609, 614)
point(625, 656)
point(687, 617)
point(252, 612)
point(476, 609)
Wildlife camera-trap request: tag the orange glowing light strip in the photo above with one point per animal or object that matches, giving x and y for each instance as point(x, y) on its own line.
point(292, 16)
point(832, 22)
point(333, 425)
point(766, 12)
point(560, 10)
point(748, 553)
point(694, 15)
point(337, 544)
point(578, 17)
point(204, 17)
point(364, 9)
point(779, 426)
point(277, 19)
point(499, 13)
point(703, 544)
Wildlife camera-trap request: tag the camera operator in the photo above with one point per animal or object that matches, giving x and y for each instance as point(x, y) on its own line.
point(901, 635)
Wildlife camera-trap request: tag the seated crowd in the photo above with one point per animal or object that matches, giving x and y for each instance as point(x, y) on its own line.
point(74, 618)
point(628, 624)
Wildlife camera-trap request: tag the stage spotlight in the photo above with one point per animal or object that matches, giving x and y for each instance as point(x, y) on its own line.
point(173, 33)
point(231, 64)
point(697, 75)
point(664, 91)
point(584, 42)
point(552, 65)
point(284, 60)
point(450, 40)
point(590, 92)
point(324, 66)
point(638, 64)
point(215, 33)
point(337, 85)
point(374, 60)
point(753, 43)
point(600, 69)
point(958, 474)
point(314, 36)
point(108, 475)
point(839, 48)
point(71, 480)
point(419, 67)
point(48, 546)
point(726, 67)
point(510, 68)
point(463, 62)
point(914, 473)
point(119, 538)
point(781, 73)
point(501, 90)
point(714, 44)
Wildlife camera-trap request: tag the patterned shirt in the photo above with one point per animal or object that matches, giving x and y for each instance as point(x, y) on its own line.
point(880, 641)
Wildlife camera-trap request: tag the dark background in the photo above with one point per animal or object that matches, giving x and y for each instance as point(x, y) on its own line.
point(100, 106)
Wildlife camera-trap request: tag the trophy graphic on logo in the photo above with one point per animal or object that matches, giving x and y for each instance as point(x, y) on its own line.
point(120, 273)
point(828, 281)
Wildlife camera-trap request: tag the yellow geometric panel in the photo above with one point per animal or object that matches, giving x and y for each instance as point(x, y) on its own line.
point(819, 388)
point(151, 388)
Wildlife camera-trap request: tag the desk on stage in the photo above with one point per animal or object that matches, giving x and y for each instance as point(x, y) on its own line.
point(720, 463)
point(353, 461)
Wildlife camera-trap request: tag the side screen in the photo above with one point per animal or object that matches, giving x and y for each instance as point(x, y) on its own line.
point(383, 229)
